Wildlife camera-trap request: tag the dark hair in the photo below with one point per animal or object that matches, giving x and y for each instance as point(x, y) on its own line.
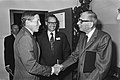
point(57, 21)
point(27, 15)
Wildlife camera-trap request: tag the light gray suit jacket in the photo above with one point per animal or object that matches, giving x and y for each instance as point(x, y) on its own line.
point(27, 57)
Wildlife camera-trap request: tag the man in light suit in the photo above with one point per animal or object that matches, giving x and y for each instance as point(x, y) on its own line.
point(27, 51)
point(93, 53)
point(9, 50)
point(56, 52)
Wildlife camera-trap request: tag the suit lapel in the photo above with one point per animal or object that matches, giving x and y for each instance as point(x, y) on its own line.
point(13, 38)
point(46, 38)
point(92, 38)
point(28, 33)
point(56, 36)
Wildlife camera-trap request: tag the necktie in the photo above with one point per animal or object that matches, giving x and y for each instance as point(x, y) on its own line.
point(52, 42)
point(86, 37)
point(85, 40)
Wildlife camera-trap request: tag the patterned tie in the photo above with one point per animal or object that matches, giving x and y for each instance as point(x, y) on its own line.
point(52, 42)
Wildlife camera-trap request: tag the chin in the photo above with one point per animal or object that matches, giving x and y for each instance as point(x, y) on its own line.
point(36, 31)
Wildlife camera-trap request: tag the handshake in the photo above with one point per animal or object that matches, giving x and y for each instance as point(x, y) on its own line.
point(57, 68)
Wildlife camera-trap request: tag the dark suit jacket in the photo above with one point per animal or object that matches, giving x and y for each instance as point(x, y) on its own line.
point(61, 48)
point(99, 43)
point(9, 51)
point(61, 52)
point(27, 54)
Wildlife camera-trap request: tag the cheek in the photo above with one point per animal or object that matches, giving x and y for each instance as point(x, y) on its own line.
point(54, 27)
point(85, 25)
point(48, 27)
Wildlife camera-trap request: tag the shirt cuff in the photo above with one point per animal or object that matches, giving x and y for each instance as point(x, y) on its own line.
point(7, 66)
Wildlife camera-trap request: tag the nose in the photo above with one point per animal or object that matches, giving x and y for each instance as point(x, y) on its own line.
point(39, 23)
point(78, 22)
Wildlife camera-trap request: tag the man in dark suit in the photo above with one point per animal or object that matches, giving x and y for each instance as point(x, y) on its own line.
point(93, 52)
point(27, 51)
point(9, 51)
point(54, 46)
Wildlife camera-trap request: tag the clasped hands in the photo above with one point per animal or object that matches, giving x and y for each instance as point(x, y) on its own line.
point(57, 68)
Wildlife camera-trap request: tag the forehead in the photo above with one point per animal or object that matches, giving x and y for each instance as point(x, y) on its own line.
point(85, 15)
point(15, 26)
point(51, 19)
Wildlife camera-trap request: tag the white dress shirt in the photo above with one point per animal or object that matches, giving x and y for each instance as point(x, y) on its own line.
point(49, 34)
point(90, 34)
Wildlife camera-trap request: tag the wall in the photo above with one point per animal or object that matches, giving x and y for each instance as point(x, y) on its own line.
point(107, 11)
point(42, 5)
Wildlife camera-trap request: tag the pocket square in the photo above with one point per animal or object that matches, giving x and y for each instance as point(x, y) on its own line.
point(58, 38)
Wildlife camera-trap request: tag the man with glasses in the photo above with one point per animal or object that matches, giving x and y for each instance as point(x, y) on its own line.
point(93, 51)
point(54, 46)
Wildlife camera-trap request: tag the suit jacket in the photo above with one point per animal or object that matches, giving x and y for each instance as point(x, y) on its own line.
point(27, 54)
point(99, 43)
point(9, 51)
point(61, 52)
point(61, 48)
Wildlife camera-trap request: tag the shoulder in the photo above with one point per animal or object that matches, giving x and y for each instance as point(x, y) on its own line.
point(43, 34)
point(61, 34)
point(9, 36)
point(103, 34)
point(23, 35)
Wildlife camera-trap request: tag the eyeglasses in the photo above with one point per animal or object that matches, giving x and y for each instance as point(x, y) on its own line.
point(52, 23)
point(81, 21)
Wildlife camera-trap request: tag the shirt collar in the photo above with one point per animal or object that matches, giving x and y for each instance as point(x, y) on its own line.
point(90, 34)
point(14, 35)
point(29, 30)
point(49, 35)
point(51, 32)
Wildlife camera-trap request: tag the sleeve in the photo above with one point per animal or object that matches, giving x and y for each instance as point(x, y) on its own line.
point(103, 59)
point(73, 58)
point(27, 56)
point(6, 52)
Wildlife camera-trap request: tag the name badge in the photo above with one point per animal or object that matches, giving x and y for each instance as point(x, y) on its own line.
point(58, 38)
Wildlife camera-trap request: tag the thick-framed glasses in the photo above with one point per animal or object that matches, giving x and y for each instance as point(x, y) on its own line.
point(81, 21)
point(52, 23)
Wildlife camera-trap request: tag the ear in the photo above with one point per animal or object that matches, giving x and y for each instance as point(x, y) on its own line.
point(27, 22)
point(91, 24)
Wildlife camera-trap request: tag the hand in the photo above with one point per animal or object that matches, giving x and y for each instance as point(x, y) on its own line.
point(57, 68)
point(8, 69)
